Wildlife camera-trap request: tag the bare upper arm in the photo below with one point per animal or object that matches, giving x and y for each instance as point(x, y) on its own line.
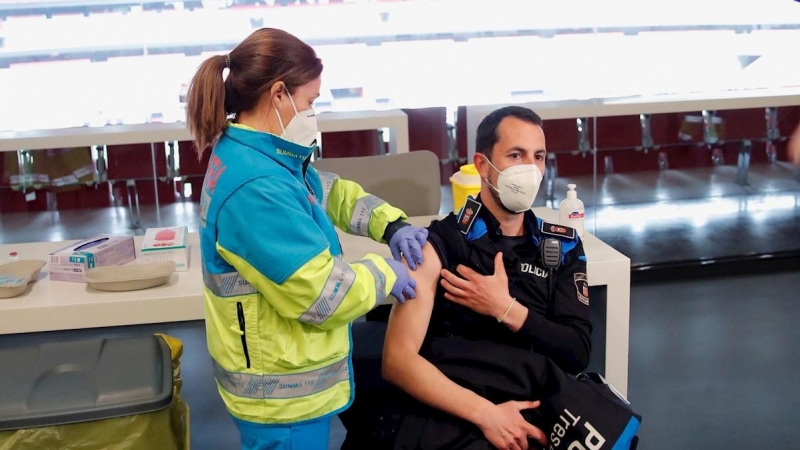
point(408, 321)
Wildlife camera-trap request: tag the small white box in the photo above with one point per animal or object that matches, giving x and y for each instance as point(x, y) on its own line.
point(71, 263)
point(166, 244)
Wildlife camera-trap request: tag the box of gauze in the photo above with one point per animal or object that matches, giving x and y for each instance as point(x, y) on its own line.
point(71, 263)
point(166, 244)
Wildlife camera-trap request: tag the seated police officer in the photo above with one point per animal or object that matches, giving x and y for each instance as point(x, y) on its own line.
point(494, 273)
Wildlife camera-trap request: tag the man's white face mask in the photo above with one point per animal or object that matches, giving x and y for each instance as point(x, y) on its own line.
point(302, 129)
point(517, 186)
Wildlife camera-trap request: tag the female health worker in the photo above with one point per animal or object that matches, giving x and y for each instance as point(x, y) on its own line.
point(279, 297)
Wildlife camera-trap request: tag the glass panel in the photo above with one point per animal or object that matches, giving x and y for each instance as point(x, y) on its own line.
point(107, 54)
point(104, 63)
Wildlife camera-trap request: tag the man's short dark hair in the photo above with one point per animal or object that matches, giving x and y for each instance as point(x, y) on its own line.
point(487, 130)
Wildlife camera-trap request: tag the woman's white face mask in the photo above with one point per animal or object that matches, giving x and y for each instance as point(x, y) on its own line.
point(517, 186)
point(302, 128)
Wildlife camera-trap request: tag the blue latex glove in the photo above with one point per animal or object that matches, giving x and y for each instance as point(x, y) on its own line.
point(409, 241)
point(404, 286)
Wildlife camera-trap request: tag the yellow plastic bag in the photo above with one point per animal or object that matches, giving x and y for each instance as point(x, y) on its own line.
point(165, 429)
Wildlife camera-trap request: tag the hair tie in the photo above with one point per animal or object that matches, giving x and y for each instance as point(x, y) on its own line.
point(228, 60)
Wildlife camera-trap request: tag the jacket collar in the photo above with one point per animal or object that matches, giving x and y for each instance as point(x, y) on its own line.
point(286, 153)
point(493, 225)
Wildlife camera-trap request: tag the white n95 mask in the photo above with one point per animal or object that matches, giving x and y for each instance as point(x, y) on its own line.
point(517, 186)
point(302, 128)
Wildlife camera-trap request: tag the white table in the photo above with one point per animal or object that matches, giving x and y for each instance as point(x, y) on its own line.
point(397, 120)
point(59, 305)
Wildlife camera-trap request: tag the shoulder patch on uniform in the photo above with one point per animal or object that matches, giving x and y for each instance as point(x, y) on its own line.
point(468, 215)
point(556, 230)
point(582, 287)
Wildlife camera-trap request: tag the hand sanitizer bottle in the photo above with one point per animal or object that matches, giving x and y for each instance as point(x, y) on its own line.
point(571, 210)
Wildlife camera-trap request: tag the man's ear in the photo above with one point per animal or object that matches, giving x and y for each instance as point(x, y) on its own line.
point(479, 160)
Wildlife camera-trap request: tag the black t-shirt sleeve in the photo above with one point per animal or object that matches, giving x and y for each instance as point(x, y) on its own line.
point(564, 335)
point(438, 234)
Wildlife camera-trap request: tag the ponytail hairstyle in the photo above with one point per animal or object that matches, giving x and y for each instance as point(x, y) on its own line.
point(265, 57)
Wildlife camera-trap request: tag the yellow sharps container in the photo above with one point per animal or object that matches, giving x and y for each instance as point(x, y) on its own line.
point(465, 182)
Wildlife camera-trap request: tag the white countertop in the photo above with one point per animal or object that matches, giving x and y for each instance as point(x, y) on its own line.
point(59, 305)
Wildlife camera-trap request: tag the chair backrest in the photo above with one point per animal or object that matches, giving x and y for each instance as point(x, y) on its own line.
point(409, 181)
